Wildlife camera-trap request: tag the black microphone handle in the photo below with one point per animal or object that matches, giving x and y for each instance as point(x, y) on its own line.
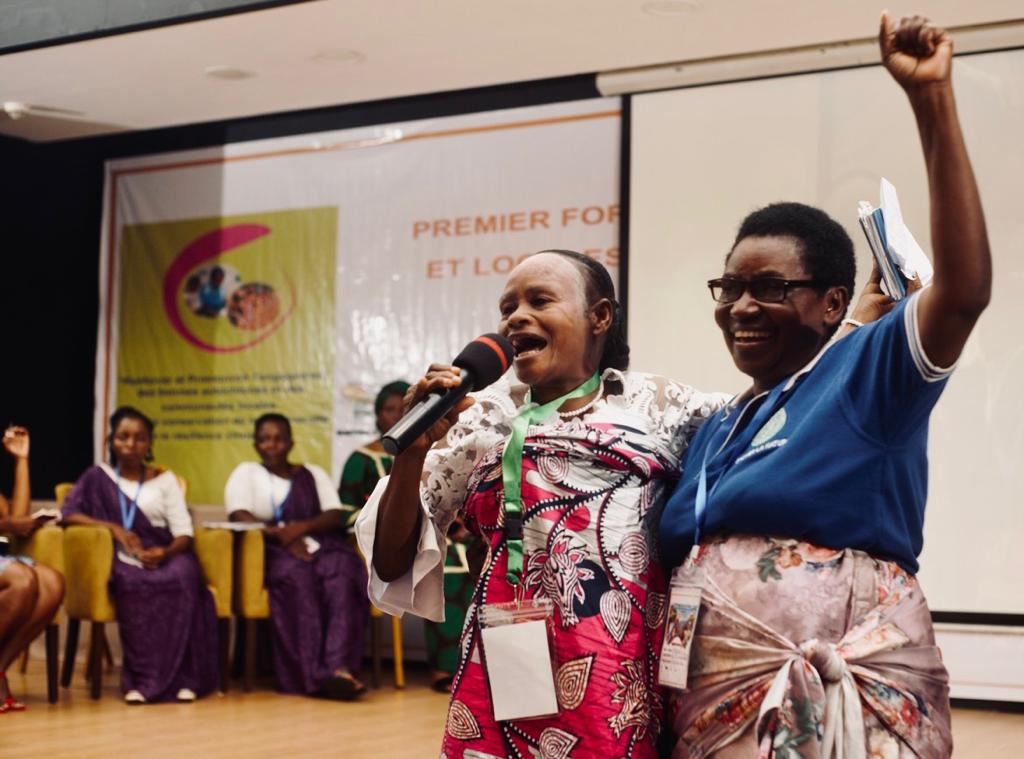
point(424, 414)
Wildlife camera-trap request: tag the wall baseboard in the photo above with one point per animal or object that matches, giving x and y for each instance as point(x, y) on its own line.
point(985, 662)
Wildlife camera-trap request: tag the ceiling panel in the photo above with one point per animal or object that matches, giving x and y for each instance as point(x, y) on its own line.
point(333, 52)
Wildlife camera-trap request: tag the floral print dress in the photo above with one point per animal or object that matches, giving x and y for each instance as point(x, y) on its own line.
point(592, 486)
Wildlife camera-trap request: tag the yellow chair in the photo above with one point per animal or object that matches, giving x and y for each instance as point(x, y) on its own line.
point(61, 490)
point(88, 558)
point(214, 551)
point(45, 546)
point(396, 646)
point(252, 604)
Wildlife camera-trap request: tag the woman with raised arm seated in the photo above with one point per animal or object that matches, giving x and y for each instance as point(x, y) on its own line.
point(165, 614)
point(316, 581)
point(29, 593)
point(800, 511)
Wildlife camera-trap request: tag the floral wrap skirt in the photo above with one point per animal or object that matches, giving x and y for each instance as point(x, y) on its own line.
point(808, 652)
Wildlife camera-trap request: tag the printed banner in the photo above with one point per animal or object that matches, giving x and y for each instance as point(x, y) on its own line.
point(300, 274)
point(242, 326)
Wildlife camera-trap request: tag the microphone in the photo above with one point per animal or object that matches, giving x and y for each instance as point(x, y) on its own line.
point(482, 362)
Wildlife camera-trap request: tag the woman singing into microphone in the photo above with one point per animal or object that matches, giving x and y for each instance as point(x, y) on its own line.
point(592, 469)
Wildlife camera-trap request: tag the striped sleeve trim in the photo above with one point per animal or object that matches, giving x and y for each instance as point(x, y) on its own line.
point(929, 371)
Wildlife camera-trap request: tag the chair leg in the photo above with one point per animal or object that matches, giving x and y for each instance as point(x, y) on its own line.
point(108, 655)
point(70, 649)
point(396, 647)
point(97, 641)
point(249, 674)
point(52, 649)
point(224, 646)
point(375, 649)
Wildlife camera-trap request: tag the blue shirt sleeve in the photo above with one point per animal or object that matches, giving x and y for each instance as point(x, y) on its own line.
point(891, 385)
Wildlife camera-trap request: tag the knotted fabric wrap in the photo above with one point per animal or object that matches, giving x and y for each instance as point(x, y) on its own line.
point(879, 687)
point(512, 469)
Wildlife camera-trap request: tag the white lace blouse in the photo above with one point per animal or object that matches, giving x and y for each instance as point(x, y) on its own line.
point(665, 410)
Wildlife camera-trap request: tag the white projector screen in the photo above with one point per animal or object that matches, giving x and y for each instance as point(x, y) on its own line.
point(702, 158)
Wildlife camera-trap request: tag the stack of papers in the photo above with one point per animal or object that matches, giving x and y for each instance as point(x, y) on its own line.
point(234, 526)
point(897, 253)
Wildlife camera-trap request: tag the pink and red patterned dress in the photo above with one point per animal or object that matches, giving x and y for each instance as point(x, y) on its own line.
point(592, 486)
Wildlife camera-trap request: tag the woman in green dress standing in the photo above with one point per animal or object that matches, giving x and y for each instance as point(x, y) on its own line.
point(363, 469)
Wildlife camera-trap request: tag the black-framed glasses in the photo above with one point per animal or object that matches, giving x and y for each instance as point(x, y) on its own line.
point(764, 289)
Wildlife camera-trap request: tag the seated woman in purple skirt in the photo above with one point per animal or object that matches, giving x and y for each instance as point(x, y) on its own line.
point(316, 581)
point(165, 613)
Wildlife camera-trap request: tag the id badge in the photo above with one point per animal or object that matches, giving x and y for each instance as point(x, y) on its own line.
point(517, 655)
point(685, 593)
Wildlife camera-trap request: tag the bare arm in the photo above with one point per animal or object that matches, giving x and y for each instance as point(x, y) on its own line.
point(155, 556)
point(125, 538)
point(16, 441)
point(919, 56)
point(399, 513)
point(326, 521)
point(242, 515)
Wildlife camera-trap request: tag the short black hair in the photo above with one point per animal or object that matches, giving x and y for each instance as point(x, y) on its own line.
point(129, 412)
point(825, 248)
point(272, 417)
point(398, 387)
point(597, 285)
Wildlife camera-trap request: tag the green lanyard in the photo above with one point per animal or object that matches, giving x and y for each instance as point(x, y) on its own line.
point(512, 470)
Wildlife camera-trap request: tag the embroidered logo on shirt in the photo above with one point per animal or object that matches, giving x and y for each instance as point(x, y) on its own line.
point(770, 446)
point(771, 428)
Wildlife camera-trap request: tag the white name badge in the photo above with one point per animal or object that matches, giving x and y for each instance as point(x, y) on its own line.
point(683, 609)
point(517, 655)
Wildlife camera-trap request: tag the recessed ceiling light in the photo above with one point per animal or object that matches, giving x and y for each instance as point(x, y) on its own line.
point(228, 72)
point(339, 56)
point(672, 7)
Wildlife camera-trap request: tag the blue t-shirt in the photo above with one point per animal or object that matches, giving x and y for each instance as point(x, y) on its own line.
point(835, 455)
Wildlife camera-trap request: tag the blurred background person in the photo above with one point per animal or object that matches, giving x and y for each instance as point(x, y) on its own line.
point(316, 581)
point(165, 613)
point(29, 593)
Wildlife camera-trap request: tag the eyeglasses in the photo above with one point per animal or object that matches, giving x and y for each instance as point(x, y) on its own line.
point(764, 289)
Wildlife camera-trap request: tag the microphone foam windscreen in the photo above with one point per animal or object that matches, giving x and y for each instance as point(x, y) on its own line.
point(486, 359)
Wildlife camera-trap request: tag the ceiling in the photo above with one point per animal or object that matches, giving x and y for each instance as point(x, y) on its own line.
point(333, 52)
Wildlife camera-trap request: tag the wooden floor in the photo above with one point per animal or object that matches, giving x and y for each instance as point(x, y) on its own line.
point(387, 723)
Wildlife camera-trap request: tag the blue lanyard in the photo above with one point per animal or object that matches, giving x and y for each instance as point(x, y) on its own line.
point(766, 408)
point(277, 508)
point(128, 514)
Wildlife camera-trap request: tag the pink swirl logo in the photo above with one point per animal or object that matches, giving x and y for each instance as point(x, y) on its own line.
point(215, 290)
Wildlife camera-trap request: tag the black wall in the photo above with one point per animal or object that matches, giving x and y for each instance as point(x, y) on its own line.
point(51, 206)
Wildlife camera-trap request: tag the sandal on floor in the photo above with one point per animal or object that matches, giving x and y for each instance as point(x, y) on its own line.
point(9, 704)
point(443, 684)
point(342, 688)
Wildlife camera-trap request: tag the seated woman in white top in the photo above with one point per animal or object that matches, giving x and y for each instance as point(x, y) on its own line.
point(165, 613)
point(315, 580)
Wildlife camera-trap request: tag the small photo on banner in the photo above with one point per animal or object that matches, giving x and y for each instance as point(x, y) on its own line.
point(223, 319)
